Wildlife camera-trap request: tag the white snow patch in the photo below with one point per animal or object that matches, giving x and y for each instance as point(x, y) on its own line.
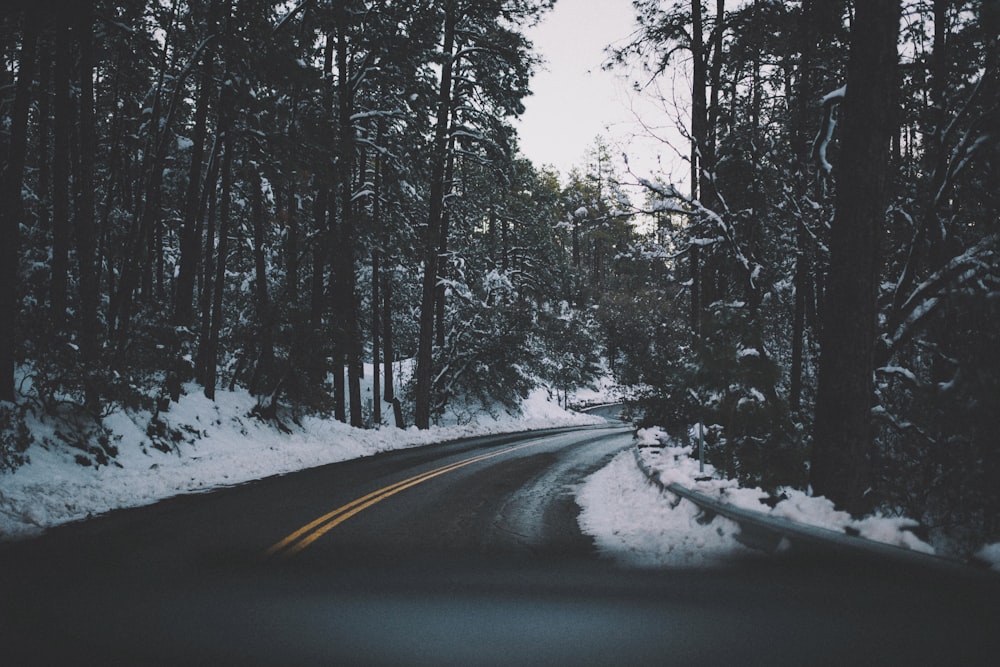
point(991, 554)
point(636, 525)
point(837, 94)
point(893, 530)
point(815, 511)
point(650, 436)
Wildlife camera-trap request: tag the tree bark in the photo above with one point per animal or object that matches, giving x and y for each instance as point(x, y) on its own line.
point(12, 209)
point(44, 47)
point(350, 339)
point(263, 382)
point(376, 258)
point(699, 123)
point(843, 438)
point(449, 178)
point(388, 351)
point(213, 298)
point(425, 359)
point(802, 95)
point(290, 212)
point(85, 232)
point(61, 228)
point(440, 298)
point(211, 356)
point(189, 246)
point(208, 214)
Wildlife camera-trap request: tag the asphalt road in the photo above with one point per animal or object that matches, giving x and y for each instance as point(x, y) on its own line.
point(464, 553)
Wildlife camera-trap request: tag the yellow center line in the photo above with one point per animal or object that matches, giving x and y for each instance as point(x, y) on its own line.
point(312, 531)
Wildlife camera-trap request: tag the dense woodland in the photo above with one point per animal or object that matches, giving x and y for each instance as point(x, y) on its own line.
point(269, 195)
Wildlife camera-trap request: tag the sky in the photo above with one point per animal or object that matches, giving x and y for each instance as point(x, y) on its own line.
point(575, 100)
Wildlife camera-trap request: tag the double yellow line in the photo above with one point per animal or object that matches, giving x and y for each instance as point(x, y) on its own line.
point(315, 529)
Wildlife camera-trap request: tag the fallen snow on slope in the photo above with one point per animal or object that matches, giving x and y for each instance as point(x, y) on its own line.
point(222, 446)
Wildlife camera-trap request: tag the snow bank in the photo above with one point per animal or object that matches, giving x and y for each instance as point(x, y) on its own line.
point(220, 446)
point(990, 554)
point(635, 523)
point(675, 465)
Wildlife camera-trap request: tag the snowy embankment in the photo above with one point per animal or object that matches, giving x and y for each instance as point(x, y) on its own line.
point(222, 446)
point(636, 524)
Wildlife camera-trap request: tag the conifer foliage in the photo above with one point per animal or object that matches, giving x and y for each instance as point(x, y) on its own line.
point(832, 262)
point(268, 194)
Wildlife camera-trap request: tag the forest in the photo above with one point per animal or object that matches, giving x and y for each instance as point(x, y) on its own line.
point(271, 195)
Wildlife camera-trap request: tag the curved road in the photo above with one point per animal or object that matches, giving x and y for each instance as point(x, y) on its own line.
point(465, 553)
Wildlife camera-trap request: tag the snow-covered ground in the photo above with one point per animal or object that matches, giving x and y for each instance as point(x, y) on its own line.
point(636, 524)
point(221, 446)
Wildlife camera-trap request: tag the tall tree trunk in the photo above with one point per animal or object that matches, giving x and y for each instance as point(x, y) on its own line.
point(388, 351)
point(377, 251)
point(189, 246)
point(317, 356)
point(715, 79)
point(213, 295)
point(85, 232)
point(699, 126)
point(44, 48)
point(211, 356)
point(751, 283)
point(799, 141)
point(441, 295)
point(376, 337)
point(263, 376)
point(820, 20)
point(290, 215)
point(425, 357)
point(323, 212)
point(801, 278)
point(116, 191)
point(335, 292)
point(350, 342)
point(290, 211)
point(63, 120)
point(449, 177)
point(208, 265)
point(843, 439)
point(13, 207)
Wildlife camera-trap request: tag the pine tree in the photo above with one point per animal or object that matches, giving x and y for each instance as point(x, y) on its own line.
point(843, 440)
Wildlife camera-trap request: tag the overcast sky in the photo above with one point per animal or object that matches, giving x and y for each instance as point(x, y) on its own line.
point(575, 100)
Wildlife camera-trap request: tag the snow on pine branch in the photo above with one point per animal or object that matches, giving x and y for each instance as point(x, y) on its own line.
point(822, 141)
point(975, 263)
point(692, 207)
